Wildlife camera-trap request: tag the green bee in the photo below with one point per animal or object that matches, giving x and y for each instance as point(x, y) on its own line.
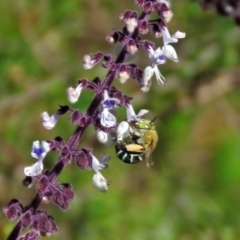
point(141, 143)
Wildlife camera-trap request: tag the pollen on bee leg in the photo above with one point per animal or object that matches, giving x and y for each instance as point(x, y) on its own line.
point(134, 147)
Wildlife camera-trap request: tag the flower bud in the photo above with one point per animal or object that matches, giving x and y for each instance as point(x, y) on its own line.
point(131, 24)
point(74, 93)
point(104, 138)
point(49, 122)
point(100, 182)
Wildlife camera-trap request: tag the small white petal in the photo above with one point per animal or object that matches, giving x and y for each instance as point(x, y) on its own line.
point(34, 170)
point(108, 102)
point(39, 151)
point(105, 95)
point(147, 74)
point(164, 1)
point(107, 118)
point(146, 87)
point(170, 53)
point(123, 76)
point(142, 112)
point(159, 77)
point(166, 36)
point(104, 138)
point(131, 24)
point(49, 122)
point(74, 93)
point(96, 165)
point(168, 15)
point(146, 79)
point(132, 116)
point(130, 113)
point(156, 56)
point(35, 145)
point(46, 146)
point(88, 63)
point(100, 182)
point(179, 34)
point(122, 130)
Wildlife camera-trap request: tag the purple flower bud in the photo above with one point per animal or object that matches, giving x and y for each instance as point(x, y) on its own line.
point(89, 62)
point(148, 7)
point(143, 27)
point(83, 160)
point(13, 209)
point(42, 184)
point(60, 200)
point(27, 181)
point(26, 219)
point(56, 144)
point(33, 235)
point(68, 190)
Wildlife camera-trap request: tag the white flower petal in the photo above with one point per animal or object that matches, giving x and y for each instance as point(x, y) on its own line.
point(156, 56)
point(146, 79)
point(164, 1)
point(123, 76)
point(122, 130)
point(170, 53)
point(107, 118)
point(142, 112)
point(168, 15)
point(146, 87)
point(100, 182)
point(39, 151)
point(105, 95)
point(131, 24)
point(35, 145)
point(46, 146)
point(179, 34)
point(88, 63)
point(108, 102)
point(49, 122)
point(159, 77)
point(34, 169)
point(104, 138)
point(74, 93)
point(166, 36)
point(147, 74)
point(96, 165)
point(130, 113)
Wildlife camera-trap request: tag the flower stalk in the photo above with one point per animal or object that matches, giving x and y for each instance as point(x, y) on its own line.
point(100, 114)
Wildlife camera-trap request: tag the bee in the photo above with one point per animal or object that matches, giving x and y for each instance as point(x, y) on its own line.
point(140, 144)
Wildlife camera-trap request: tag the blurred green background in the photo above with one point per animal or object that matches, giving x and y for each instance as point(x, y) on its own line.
point(193, 190)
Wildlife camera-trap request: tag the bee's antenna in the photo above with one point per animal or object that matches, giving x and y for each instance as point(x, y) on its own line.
point(154, 119)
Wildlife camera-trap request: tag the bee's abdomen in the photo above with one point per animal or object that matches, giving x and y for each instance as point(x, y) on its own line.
point(127, 156)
